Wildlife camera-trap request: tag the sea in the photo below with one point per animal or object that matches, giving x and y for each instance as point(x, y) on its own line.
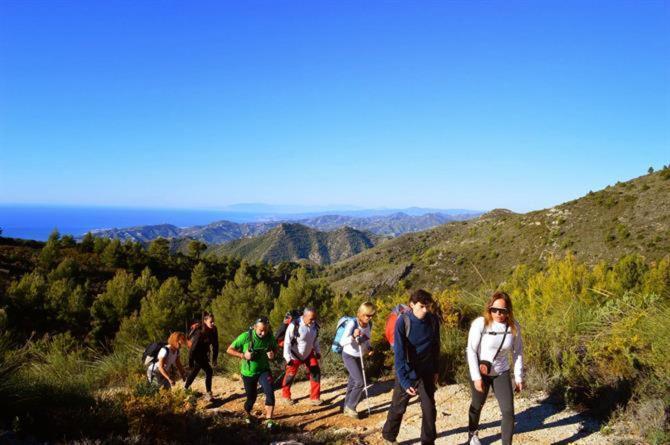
point(37, 222)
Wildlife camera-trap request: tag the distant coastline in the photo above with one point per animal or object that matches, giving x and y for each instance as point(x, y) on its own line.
point(36, 222)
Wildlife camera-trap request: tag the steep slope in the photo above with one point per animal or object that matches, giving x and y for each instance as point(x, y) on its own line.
point(630, 217)
point(295, 242)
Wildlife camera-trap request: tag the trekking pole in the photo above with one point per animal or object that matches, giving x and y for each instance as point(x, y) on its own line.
point(365, 383)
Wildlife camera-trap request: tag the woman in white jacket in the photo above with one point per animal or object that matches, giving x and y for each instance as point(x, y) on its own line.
point(356, 341)
point(492, 337)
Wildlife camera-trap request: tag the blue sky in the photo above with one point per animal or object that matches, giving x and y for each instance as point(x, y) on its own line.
point(475, 105)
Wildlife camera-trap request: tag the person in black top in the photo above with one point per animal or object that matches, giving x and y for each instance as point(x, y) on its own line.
point(203, 337)
point(416, 347)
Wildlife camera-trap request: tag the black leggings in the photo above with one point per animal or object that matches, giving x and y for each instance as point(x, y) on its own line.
point(201, 363)
point(251, 388)
point(502, 388)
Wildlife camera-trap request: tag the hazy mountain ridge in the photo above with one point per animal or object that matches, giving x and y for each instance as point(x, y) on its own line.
point(224, 231)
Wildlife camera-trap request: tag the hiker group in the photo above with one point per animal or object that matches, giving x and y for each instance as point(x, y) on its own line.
point(413, 331)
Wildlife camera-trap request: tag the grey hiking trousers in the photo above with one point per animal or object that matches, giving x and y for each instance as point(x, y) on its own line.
point(502, 388)
point(355, 385)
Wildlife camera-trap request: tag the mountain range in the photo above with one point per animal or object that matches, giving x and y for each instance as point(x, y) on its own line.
point(225, 231)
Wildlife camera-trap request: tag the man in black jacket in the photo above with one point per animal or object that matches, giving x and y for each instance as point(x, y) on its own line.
point(203, 337)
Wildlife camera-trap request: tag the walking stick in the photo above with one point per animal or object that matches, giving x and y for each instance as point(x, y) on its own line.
point(365, 383)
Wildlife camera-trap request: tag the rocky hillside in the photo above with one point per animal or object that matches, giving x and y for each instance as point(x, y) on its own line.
point(629, 217)
point(295, 242)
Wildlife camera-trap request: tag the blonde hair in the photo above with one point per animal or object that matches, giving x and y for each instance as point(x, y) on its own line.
point(175, 338)
point(367, 308)
point(499, 295)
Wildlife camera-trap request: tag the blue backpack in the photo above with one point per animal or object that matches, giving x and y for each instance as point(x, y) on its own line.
point(339, 332)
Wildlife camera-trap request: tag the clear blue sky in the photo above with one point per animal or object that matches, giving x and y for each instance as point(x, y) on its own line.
point(443, 104)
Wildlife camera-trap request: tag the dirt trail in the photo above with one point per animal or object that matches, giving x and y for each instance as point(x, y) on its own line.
point(537, 421)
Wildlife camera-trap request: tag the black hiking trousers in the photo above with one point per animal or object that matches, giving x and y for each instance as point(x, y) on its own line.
point(425, 387)
point(201, 363)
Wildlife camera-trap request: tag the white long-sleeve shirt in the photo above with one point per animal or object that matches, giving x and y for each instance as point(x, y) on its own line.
point(348, 343)
point(484, 347)
point(306, 341)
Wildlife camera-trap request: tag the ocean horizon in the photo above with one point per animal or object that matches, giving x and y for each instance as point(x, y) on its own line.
point(36, 222)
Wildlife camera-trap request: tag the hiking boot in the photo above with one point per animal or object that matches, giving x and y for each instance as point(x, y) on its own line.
point(270, 424)
point(287, 401)
point(249, 418)
point(209, 396)
point(315, 402)
point(473, 439)
point(350, 413)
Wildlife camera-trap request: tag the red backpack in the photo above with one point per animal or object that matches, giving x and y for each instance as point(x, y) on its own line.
point(392, 318)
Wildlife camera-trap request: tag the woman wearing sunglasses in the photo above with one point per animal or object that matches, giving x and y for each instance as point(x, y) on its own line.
point(491, 339)
point(256, 348)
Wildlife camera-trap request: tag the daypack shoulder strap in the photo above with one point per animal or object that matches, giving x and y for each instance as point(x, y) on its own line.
point(501, 343)
point(408, 324)
point(250, 333)
point(167, 352)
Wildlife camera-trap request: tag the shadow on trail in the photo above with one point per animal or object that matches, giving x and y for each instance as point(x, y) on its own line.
point(326, 391)
point(531, 419)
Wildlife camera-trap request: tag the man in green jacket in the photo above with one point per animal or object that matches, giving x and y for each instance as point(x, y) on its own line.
point(256, 348)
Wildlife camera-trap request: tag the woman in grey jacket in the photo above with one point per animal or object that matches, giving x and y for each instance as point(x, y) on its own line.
point(492, 337)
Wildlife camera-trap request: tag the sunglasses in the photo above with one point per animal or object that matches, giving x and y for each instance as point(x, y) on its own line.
point(498, 310)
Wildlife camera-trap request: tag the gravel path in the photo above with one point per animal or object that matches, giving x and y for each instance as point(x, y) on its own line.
point(537, 421)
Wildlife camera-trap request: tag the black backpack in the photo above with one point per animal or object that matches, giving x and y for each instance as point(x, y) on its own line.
point(292, 316)
point(152, 351)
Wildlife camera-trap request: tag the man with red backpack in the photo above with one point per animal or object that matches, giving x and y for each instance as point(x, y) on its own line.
point(416, 347)
point(203, 337)
point(301, 347)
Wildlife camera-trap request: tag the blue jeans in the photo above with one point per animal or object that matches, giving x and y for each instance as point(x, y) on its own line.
point(251, 388)
point(355, 385)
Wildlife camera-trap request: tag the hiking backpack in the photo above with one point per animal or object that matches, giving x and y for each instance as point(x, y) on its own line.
point(195, 326)
point(152, 351)
point(339, 332)
point(402, 311)
point(389, 329)
point(292, 316)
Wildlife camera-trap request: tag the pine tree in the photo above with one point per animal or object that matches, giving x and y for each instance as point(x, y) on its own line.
point(66, 305)
point(196, 248)
point(165, 310)
point(50, 253)
point(199, 288)
point(301, 292)
point(25, 302)
point(146, 282)
point(87, 242)
point(112, 256)
point(160, 249)
point(241, 301)
point(120, 299)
